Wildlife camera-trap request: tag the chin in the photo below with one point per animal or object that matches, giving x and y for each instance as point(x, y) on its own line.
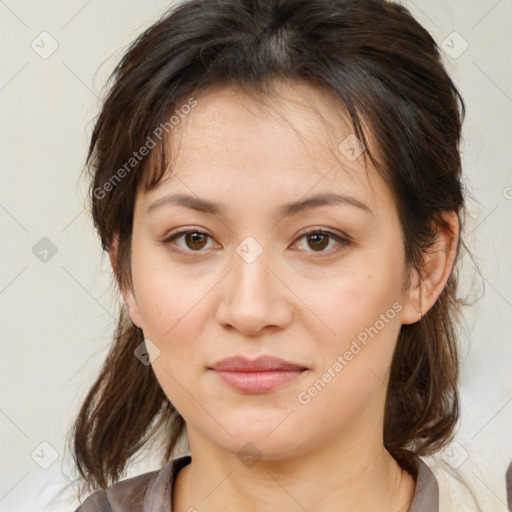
point(265, 441)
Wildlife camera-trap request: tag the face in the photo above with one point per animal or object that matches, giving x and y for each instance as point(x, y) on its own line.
point(321, 287)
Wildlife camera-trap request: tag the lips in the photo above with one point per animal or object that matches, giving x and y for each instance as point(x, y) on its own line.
point(260, 364)
point(261, 375)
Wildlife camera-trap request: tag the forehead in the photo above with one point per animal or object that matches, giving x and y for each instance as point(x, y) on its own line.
point(293, 122)
point(294, 140)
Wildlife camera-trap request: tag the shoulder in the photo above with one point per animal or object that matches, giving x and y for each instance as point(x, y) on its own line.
point(461, 485)
point(146, 492)
point(426, 493)
point(96, 502)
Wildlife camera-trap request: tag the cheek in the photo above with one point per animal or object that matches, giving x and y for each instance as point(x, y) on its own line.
point(362, 310)
point(174, 305)
point(172, 310)
point(355, 361)
point(355, 301)
point(167, 295)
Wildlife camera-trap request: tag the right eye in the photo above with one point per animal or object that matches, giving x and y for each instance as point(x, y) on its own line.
point(194, 240)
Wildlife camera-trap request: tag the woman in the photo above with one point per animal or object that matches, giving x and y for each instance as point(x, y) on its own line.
point(278, 186)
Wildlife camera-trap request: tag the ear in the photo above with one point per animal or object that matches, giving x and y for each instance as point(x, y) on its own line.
point(127, 291)
point(426, 285)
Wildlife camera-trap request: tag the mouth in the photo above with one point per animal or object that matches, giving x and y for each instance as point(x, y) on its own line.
point(260, 375)
point(258, 382)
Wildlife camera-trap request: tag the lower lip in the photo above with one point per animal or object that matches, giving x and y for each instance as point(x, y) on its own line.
point(258, 382)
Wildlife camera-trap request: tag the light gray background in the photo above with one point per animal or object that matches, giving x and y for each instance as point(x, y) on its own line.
point(58, 316)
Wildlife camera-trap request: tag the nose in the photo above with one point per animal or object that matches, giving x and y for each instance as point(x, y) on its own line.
point(254, 298)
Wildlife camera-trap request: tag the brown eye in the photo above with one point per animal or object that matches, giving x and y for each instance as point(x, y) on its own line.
point(194, 241)
point(318, 240)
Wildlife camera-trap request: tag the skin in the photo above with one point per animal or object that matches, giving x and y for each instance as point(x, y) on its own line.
point(296, 301)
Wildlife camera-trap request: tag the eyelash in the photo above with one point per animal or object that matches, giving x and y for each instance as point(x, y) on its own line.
point(341, 240)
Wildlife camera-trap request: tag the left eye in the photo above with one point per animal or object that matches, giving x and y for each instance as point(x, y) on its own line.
point(320, 239)
point(196, 240)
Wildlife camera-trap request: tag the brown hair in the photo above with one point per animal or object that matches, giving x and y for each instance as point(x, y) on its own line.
point(385, 70)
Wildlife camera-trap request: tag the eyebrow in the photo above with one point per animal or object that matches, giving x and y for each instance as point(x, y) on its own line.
point(285, 210)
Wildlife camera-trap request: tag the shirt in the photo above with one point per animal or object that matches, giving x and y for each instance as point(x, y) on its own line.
point(152, 491)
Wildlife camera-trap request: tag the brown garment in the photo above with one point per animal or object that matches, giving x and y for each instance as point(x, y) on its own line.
point(151, 492)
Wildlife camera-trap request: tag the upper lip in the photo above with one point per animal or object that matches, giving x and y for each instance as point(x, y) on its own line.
point(262, 363)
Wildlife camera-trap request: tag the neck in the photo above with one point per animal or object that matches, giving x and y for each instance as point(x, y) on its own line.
point(351, 478)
